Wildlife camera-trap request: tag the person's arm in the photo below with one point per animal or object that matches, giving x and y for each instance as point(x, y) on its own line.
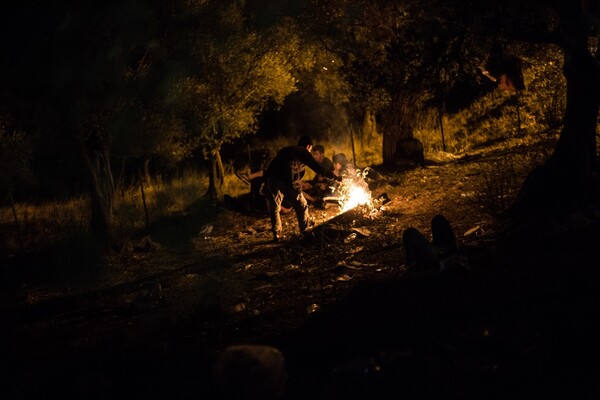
point(311, 163)
point(328, 166)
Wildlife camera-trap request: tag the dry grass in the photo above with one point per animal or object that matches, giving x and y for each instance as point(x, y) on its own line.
point(41, 223)
point(489, 120)
point(38, 224)
point(161, 198)
point(47, 222)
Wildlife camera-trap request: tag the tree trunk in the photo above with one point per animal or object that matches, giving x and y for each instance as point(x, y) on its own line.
point(566, 182)
point(147, 169)
point(216, 177)
point(368, 129)
point(96, 156)
point(398, 123)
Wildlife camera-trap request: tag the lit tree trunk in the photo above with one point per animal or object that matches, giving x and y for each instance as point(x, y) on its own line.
point(368, 130)
point(566, 182)
point(215, 177)
point(398, 123)
point(97, 161)
point(146, 168)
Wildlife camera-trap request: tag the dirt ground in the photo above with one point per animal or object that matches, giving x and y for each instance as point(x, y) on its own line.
point(350, 318)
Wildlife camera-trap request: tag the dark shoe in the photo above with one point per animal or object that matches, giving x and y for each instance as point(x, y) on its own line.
point(306, 236)
point(243, 176)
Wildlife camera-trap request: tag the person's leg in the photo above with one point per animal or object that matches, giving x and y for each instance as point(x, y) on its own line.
point(443, 235)
point(274, 198)
point(318, 195)
point(299, 205)
point(417, 250)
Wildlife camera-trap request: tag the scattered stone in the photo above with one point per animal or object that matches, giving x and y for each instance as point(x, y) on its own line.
point(472, 230)
point(313, 308)
point(343, 278)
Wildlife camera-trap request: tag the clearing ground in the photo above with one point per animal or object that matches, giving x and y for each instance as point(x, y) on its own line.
point(150, 320)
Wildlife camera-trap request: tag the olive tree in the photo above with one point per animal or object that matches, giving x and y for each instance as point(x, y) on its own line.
point(236, 71)
point(396, 56)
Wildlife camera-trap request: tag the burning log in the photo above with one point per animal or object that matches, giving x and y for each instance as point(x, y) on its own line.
point(354, 198)
point(340, 227)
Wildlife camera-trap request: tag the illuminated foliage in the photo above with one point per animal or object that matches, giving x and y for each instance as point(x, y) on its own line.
point(236, 73)
point(396, 57)
point(236, 83)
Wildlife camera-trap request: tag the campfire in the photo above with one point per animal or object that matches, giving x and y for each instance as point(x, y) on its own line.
point(356, 203)
point(353, 192)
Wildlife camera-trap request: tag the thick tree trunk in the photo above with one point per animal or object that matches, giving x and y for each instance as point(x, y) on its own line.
point(566, 182)
point(96, 156)
point(575, 152)
point(398, 123)
point(216, 177)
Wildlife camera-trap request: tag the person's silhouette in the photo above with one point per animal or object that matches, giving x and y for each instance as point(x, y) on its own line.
point(439, 254)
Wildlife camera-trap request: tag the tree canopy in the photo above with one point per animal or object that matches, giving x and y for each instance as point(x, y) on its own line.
point(235, 71)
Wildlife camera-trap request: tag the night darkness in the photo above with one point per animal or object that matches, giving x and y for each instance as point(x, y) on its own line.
point(140, 256)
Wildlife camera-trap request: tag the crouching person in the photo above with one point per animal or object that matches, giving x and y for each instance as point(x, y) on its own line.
point(284, 180)
point(441, 254)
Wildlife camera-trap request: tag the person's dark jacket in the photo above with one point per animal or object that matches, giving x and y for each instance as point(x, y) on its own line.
point(289, 165)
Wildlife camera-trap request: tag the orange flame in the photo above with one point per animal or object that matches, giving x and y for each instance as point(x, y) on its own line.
point(354, 191)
